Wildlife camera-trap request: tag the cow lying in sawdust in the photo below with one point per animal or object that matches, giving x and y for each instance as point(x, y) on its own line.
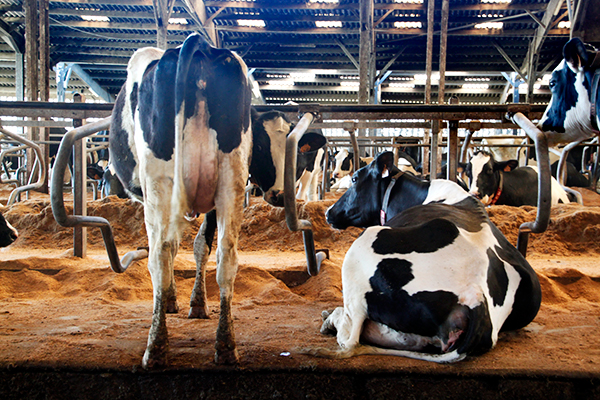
point(438, 281)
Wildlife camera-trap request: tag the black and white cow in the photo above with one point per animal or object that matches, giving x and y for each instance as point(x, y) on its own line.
point(437, 282)
point(8, 234)
point(181, 142)
point(309, 165)
point(502, 183)
point(344, 160)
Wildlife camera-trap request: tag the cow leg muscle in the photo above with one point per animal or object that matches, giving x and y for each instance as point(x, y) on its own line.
point(202, 247)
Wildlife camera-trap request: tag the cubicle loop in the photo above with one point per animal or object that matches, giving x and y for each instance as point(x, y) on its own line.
point(542, 219)
point(71, 221)
point(314, 258)
point(40, 164)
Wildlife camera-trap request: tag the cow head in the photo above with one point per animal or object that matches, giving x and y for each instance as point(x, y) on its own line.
point(269, 131)
point(8, 234)
point(568, 113)
point(484, 174)
point(343, 163)
point(361, 204)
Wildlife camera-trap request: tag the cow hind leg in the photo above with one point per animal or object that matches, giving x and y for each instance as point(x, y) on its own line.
point(160, 264)
point(202, 247)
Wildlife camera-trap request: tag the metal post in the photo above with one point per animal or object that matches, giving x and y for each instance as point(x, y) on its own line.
point(79, 188)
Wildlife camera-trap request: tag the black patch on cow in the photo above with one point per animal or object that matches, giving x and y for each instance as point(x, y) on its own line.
point(214, 75)
point(120, 152)
point(423, 238)
point(210, 227)
point(7, 235)
point(528, 297)
point(133, 99)
point(564, 97)
point(157, 105)
point(388, 303)
point(497, 279)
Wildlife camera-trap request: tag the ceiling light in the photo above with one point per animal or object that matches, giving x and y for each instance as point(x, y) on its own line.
point(476, 86)
point(564, 25)
point(255, 23)
point(328, 24)
point(349, 77)
point(402, 85)
point(178, 21)
point(302, 76)
point(281, 83)
point(408, 24)
point(94, 18)
point(477, 79)
point(490, 25)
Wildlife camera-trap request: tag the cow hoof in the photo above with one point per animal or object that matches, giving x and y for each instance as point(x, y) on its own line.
point(227, 357)
point(198, 312)
point(172, 307)
point(325, 314)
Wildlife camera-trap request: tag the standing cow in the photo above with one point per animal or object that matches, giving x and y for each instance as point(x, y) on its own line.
point(181, 142)
point(437, 282)
point(309, 165)
point(502, 183)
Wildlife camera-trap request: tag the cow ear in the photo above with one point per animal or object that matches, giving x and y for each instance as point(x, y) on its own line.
point(385, 161)
point(507, 166)
point(576, 53)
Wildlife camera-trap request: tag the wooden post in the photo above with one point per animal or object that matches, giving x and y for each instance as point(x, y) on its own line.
point(44, 78)
point(452, 162)
point(162, 12)
point(428, 68)
point(31, 70)
point(79, 187)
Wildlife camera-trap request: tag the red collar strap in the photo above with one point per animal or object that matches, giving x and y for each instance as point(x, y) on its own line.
point(499, 191)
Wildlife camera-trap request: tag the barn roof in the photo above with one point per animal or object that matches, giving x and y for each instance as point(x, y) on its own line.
point(290, 42)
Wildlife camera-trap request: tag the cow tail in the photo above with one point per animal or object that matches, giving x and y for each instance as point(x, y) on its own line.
point(189, 69)
point(478, 337)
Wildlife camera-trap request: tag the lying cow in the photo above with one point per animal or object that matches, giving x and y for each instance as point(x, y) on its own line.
point(502, 183)
point(344, 162)
point(181, 142)
point(8, 234)
point(309, 165)
point(437, 282)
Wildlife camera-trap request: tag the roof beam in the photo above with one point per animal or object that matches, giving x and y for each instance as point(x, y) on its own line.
point(85, 77)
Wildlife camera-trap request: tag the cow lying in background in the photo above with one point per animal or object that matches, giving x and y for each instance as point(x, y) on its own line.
point(502, 183)
point(181, 142)
point(309, 165)
point(8, 234)
point(437, 282)
point(344, 161)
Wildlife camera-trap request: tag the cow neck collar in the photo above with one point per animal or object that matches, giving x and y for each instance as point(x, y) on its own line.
point(499, 190)
point(386, 198)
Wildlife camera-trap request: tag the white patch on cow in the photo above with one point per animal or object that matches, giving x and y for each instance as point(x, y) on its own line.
point(339, 159)
point(477, 164)
point(342, 184)
point(405, 166)
point(502, 153)
point(276, 128)
point(309, 180)
point(12, 228)
point(442, 190)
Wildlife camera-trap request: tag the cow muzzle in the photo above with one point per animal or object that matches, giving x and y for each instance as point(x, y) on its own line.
point(274, 198)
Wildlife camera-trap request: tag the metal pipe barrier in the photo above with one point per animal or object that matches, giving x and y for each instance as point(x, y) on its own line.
point(41, 164)
point(314, 258)
point(71, 221)
point(544, 190)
